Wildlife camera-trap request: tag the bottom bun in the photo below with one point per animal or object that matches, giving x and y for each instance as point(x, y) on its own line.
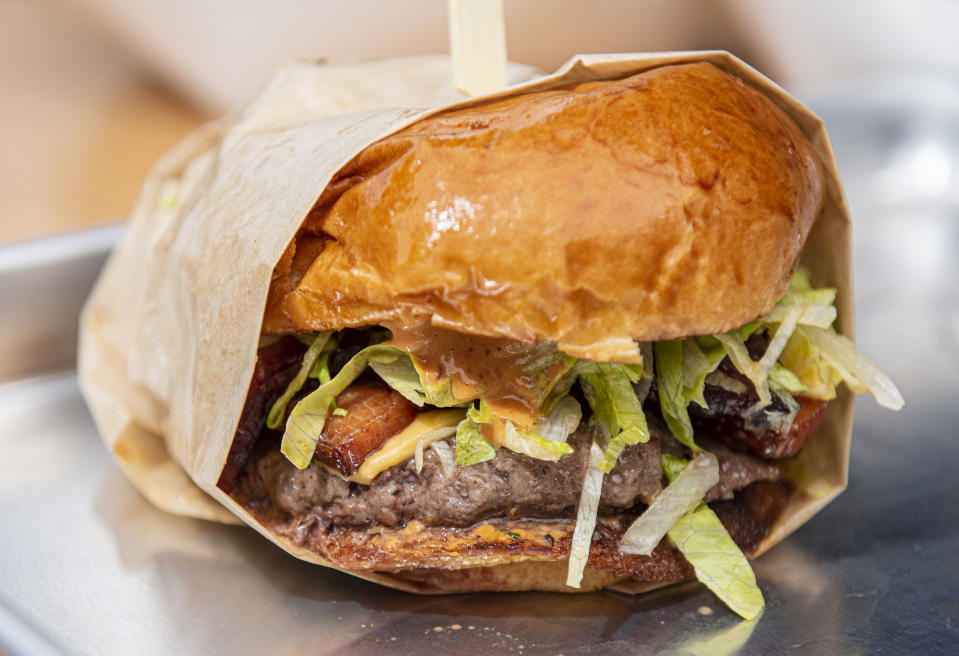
point(542, 576)
point(512, 555)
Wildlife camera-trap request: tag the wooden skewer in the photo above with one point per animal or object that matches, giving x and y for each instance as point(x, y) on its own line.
point(478, 45)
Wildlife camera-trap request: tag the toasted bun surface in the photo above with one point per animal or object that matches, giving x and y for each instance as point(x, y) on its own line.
point(670, 203)
point(492, 555)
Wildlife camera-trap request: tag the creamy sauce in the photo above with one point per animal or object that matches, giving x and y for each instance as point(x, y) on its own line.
point(501, 371)
point(401, 446)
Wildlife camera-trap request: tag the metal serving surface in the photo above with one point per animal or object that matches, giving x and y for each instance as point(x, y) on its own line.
point(87, 566)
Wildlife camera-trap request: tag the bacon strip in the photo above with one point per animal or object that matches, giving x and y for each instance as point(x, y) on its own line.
point(773, 444)
point(276, 365)
point(765, 441)
point(374, 415)
point(725, 418)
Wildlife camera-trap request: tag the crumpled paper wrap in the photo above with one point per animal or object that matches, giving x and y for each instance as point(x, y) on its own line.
point(168, 337)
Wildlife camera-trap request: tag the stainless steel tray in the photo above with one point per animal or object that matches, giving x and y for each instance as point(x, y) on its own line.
point(88, 566)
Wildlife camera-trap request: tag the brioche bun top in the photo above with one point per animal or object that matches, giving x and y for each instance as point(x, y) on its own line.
point(670, 203)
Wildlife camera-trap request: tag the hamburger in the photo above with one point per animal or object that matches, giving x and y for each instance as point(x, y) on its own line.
point(580, 334)
point(503, 330)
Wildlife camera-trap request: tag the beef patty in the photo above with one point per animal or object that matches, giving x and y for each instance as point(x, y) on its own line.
point(511, 485)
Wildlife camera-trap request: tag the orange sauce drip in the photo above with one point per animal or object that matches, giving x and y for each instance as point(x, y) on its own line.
point(492, 368)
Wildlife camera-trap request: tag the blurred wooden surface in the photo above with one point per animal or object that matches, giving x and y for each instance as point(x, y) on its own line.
point(81, 121)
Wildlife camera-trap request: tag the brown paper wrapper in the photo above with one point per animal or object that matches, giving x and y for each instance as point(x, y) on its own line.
point(177, 310)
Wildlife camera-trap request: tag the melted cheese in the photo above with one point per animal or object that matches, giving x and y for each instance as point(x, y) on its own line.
point(401, 446)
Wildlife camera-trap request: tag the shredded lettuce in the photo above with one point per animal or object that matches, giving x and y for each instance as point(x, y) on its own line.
point(428, 439)
point(445, 454)
point(821, 316)
point(739, 356)
point(541, 357)
point(782, 378)
point(535, 446)
point(608, 387)
point(546, 440)
point(305, 425)
point(800, 281)
point(648, 374)
point(805, 362)
point(745, 331)
point(698, 363)
point(800, 306)
point(673, 400)
point(820, 296)
point(679, 497)
point(784, 331)
point(418, 455)
point(441, 394)
point(559, 386)
point(804, 356)
point(402, 374)
point(480, 413)
point(406, 376)
point(317, 346)
point(561, 421)
point(728, 383)
point(586, 514)
point(321, 370)
point(471, 447)
point(855, 369)
point(718, 562)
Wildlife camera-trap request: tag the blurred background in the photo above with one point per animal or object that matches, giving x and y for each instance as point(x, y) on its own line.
point(93, 91)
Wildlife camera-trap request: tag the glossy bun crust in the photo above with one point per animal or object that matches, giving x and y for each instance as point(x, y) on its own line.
point(671, 203)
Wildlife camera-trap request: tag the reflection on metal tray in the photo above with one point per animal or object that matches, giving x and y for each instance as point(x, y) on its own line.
point(88, 566)
point(43, 284)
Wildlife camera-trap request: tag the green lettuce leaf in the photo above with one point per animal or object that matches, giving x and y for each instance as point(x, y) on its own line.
point(673, 399)
point(718, 562)
point(586, 513)
point(471, 447)
point(441, 394)
point(546, 439)
point(608, 387)
point(821, 316)
point(857, 370)
point(560, 385)
point(800, 281)
point(745, 331)
point(821, 296)
point(404, 376)
point(523, 440)
point(541, 357)
point(782, 377)
point(739, 356)
point(673, 466)
point(305, 425)
point(317, 346)
point(321, 370)
point(561, 421)
point(699, 362)
point(645, 383)
point(684, 493)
